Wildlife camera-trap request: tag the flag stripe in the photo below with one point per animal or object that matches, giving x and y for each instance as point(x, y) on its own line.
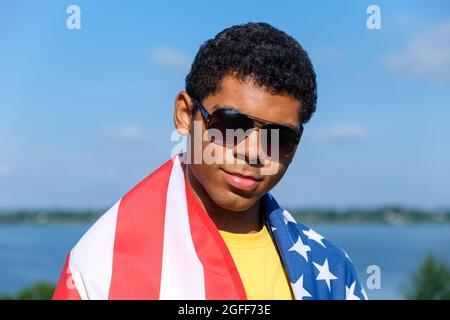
point(77, 280)
point(92, 256)
point(222, 280)
point(178, 251)
point(66, 289)
point(139, 239)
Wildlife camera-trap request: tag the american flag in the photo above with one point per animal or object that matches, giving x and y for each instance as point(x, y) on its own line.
point(157, 242)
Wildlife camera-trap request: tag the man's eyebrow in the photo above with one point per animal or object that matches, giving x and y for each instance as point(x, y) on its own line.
point(218, 107)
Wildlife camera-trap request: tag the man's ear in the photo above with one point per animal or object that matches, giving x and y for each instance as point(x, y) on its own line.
point(183, 113)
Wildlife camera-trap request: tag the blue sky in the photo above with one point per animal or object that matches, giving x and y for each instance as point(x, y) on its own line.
point(86, 114)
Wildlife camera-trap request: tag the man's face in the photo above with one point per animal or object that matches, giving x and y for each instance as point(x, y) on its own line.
point(246, 174)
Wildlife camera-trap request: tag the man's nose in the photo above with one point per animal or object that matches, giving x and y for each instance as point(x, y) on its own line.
point(248, 149)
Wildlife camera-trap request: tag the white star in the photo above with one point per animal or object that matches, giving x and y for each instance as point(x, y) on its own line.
point(350, 292)
point(312, 235)
point(299, 291)
point(273, 229)
point(324, 273)
point(288, 218)
point(301, 248)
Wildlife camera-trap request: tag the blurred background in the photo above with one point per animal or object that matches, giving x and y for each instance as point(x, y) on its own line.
point(86, 113)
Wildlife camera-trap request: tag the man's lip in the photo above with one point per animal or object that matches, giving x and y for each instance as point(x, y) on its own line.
point(240, 181)
point(245, 176)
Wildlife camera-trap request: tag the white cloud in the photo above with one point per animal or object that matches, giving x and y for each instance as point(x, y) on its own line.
point(425, 56)
point(130, 132)
point(170, 58)
point(349, 131)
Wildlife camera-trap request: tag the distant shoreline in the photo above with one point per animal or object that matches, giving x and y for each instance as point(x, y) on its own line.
point(386, 215)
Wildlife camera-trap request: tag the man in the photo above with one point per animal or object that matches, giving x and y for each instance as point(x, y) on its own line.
point(203, 226)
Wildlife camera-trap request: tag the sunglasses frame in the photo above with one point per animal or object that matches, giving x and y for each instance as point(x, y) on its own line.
point(207, 116)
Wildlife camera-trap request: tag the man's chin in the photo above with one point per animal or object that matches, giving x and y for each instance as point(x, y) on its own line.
point(236, 202)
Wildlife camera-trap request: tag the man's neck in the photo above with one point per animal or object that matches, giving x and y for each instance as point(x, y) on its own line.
point(247, 221)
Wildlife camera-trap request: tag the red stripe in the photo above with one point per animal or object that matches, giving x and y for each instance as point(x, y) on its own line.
point(137, 260)
point(222, 280)
point(65, 289)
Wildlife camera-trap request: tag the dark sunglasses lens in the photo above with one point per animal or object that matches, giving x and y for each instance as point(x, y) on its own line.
point(278, 141)
point(230, 124)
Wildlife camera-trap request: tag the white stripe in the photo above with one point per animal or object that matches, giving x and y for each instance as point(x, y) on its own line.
point(182, 275)
point(78, 281)
point(91, 259)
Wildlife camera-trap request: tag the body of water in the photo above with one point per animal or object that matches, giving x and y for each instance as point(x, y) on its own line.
point(36, 253)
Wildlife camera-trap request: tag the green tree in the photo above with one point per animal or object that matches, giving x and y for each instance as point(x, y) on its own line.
point(431, 281)
point(38, 291)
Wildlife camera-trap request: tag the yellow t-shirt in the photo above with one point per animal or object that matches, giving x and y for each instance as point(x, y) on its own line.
point(259, 265)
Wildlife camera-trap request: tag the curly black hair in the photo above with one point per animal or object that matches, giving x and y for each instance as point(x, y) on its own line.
point(258, 52)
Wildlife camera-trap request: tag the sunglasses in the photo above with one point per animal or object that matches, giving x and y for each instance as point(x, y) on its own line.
point(230, 119)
